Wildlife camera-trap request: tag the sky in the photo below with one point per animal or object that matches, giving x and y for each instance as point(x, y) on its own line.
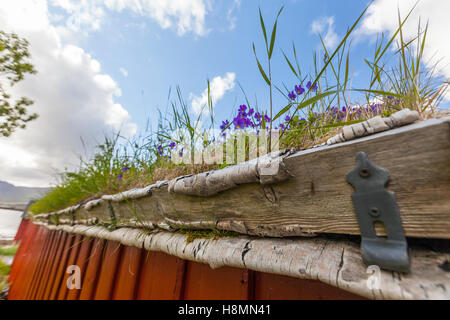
point(108, 65)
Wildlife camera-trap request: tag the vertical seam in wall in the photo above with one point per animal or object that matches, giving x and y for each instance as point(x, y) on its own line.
point(99, 268)
point(139, 272)
point(57, 282)
point(116, 269)
point(181, 279)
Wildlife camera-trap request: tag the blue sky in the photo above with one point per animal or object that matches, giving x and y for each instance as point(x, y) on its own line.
point(157, 59)
point(105, 65)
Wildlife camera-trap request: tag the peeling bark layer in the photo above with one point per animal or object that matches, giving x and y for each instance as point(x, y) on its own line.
point(337, 263)
point(374, 125)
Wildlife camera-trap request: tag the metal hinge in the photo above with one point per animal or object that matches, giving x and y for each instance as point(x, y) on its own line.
point(373, 203)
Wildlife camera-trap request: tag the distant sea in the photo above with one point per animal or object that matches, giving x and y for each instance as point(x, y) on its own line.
point(9, 223)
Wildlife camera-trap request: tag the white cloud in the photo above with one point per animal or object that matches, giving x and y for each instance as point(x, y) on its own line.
point(382, 16)
point(218, 87)
point(319, 25)
point(123, 71)
point(230, 14)
point(72, 97)
point(183, 15)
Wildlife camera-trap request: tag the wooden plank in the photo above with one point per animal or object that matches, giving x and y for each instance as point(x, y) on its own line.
point(30, 265)
point(92, 271)
point(61, 269)
point(17, 276)
point(54, 270)
point(127, 274)
point(108, 271)
point(47, 237)
point(74, 249)
point(82, 260)
point(21, 231)
point(22, 251)
point(317, 199)
point(275, 287)
point(161, 277)
point(50, 260)
point(204, 283)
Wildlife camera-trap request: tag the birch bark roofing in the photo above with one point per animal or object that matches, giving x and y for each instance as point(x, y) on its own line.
point(335, 262)
point(307, 195)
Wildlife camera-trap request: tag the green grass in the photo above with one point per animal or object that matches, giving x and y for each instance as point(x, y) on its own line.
point(8, 251)
point(398, 78)
point(4, 269)
point(4, 272)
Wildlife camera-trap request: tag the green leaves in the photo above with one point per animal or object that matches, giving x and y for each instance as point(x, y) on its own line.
point(269, 48)
point(263, 27)
point(263, 73)
point(14, 65)
point(380, 92)
point(274, 32)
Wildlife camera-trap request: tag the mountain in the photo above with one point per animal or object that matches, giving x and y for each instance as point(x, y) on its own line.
point(11, 193)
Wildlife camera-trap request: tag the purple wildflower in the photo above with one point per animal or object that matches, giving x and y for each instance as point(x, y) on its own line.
point(160, 150)
point(287, 119)
point(124, 169)
point(299, 89)
point(257, 116)
point(172, 145)
point(120, 176)
point(224, 125)
point(239, 122)
point(309, 84)
point(266, 118)
point(292, 95)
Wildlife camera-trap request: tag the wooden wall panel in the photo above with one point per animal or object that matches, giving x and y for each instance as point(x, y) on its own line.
point(112, 271)
point(275, 287)
point(161, 277)
point(81, 262)
point(202, 282)
point(22, 229)
point(106, 279)
point(37, 263)
point(61, 268)
point(59, 257)
point(22, 252)
point(127, 274)
point(92, 274)
point(50, 261)
point(22, 265)
point(73, 254)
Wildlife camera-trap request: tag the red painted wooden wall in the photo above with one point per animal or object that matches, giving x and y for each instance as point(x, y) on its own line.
point(110, 270)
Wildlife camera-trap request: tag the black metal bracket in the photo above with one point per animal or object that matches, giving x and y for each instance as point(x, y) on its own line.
point(373, 203)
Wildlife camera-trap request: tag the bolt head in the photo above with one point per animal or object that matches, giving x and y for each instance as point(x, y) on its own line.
point(374, 212)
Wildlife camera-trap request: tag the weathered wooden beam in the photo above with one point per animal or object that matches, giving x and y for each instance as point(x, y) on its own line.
point(315, 199)
point(336, 262)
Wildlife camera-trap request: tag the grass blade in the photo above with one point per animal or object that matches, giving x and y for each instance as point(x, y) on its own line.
point(260, 67)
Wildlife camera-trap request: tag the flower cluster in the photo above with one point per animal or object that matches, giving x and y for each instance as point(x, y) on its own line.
point(124, 169)
point(160, 148)
point(245, 119)
point(355, 113)
point(299, 90)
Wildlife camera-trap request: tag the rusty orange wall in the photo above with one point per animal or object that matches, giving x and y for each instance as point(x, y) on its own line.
point(110, 270)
